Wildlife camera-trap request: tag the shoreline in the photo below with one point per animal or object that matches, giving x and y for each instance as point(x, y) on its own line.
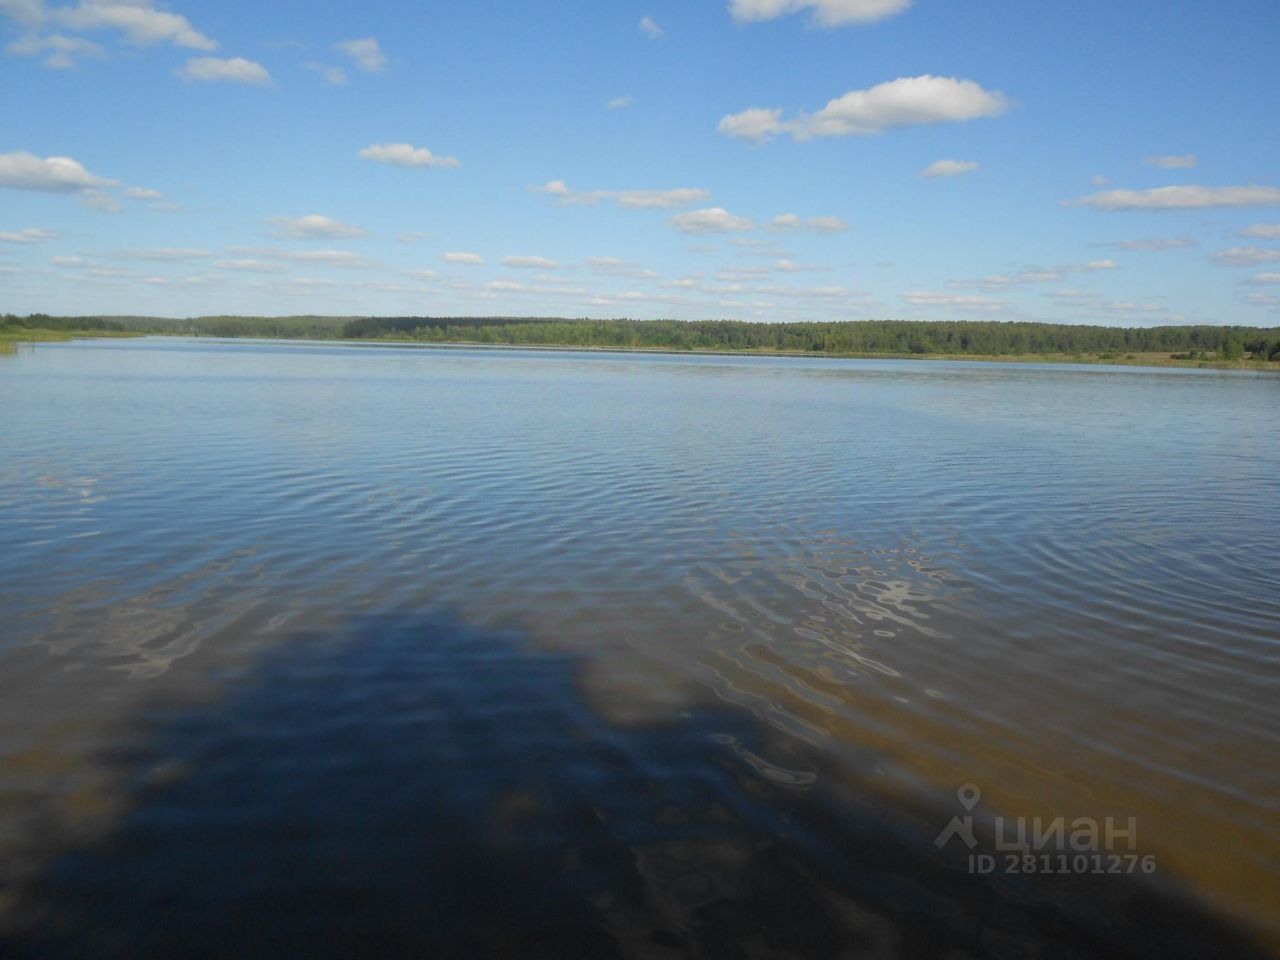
point(8, 339)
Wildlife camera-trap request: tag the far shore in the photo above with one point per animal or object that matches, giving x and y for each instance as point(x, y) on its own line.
point(8, 340)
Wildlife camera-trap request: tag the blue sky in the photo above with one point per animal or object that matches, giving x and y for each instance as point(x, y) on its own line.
point(1098, 161)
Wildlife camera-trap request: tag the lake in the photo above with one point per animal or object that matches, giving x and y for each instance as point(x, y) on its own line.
point(331, 650)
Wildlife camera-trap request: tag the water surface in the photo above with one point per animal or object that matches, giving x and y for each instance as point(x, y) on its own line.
point(393, 651)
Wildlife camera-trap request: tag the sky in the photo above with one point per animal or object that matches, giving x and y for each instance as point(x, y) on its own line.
point(1094, 161)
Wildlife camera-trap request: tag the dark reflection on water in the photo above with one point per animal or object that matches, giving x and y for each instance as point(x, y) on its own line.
point(411, 787)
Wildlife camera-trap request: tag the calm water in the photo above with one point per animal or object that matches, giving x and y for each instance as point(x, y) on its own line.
point(324, 650)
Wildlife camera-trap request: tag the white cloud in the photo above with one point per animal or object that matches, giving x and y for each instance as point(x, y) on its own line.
point(336, 76)
point(948, 168)
point(824, 13)
point(164, 254)
point(138, 20)
point(1265, 278)
point(25, 171)
point(249, 266)
point(313, 227)
point(470, 258)
point(229, 70)
point(785, 222)
point(331, 258)
point(1264, 231)
point(101, 200)
point(1100, 181)
point(618, 103)
point(422, 274)
point(29, 235)
point(366, 53)
point(651, 28)
point(711, 220)
point(660, 199)
point(1179, 198)
point(142, 193)
point(908, 101)
point(628, 199)
point(1101, 265)
point(1153, 243)
point(406, 155)
point(533, 262)
point(923, 298)
point(755, 124)
point(1183, 162)
point(1245, 257)
point(62, 52)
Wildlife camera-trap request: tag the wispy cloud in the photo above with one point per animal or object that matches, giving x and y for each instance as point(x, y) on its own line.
point(219, 70)
point(790, 222)
point(948, 168)
point(1244, 257)
point(1184, 162)
point(472, 259)
point(711, 220)
point(565, 196)
point(313, 227)
point(1179, 198)
point(1152, 243)
point(29, 235)
point(366, 53)
point(823, 13)
point(650, 28)
point(530, 262)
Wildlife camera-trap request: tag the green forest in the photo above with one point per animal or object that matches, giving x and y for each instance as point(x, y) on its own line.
point(898, 338)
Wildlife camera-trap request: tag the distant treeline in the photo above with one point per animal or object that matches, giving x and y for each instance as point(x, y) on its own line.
point(900, 337)
point(860, 337)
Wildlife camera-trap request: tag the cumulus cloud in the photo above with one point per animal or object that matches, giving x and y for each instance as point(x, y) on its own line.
point(60, 52)
point(1179, 198)
point(1265, 278)
point(650, 28)
point(458, 257)
point(29, 235)
point(1100, 265)
point(908, 101)
point(312, 227)
point(142, 193)
point(1245, 257)
point(565, 196)
point(530, 262)
point(225, 70)
point(365, 53)
point(139, 20)
point(948, 168)
point(823, 13)
point(1263, 231)
point(787, 222)
point(1184, 162)
point(25, 171)
point(711, 220)
point(406, 155)
point(330, 258)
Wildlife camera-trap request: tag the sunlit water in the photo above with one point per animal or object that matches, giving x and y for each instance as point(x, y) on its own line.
point(328, 650)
